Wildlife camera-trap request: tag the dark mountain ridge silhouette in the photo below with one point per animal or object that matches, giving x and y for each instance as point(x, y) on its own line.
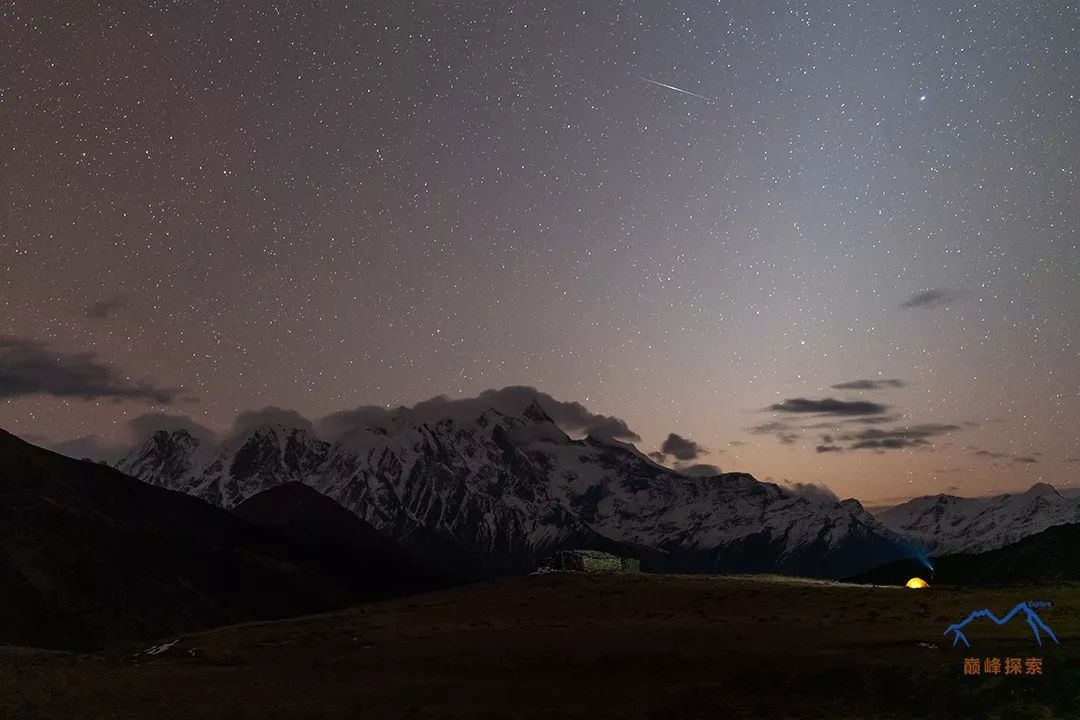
point(90, 557)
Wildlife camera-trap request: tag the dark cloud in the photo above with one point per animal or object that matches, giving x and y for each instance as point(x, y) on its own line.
point(896, 438)
point(108, 307)
point(147, 424)
point(937, 297)
point(829, 406)
point(248, 420)
point(815, 492)
point(738, 443)
point(1026, 459)
point(28, 367)
point(870, 384)
point(854, 424)
point(837, 424)
point(90, 447)
point(698, 469)
point(110, 450)
point(1072, 459)
point(572, 417)
point(681, 448)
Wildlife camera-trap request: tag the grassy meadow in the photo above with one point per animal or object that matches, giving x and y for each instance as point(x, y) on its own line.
point(577, 646)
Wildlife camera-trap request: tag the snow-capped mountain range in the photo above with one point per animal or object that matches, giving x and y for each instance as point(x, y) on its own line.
point(500, 492)
point(946, 524)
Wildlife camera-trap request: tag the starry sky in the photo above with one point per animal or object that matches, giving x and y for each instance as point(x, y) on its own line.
point(821, 242)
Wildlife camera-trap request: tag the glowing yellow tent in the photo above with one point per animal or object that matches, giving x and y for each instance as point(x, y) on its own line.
point(916, 583)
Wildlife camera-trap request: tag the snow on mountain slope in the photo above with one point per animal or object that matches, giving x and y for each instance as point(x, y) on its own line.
point(165, 458)
point(506, 490)
point(946, 524)
point(226, 476)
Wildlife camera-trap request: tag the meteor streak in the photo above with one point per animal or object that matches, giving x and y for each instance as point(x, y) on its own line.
point(672, 87)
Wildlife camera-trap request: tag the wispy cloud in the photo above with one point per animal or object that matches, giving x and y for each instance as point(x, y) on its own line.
point(937, 297)
point(1029, 459)
point(107, 307)
point(783, 431)
point(571, 416)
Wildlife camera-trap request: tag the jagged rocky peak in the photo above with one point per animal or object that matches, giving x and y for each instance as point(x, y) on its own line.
point(163, 444)
point(277, 433)
point(172, 439)
point(164, 458)
point(268, 446)
point(535, 412)
point(488, 418)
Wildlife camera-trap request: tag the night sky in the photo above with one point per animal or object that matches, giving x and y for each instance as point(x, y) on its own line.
point(698, 217)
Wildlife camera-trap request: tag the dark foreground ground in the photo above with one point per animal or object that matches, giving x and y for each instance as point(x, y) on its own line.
point(555, 646)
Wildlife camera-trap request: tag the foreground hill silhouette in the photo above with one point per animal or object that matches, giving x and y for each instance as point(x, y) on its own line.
point(90, 557)
point(337, 537)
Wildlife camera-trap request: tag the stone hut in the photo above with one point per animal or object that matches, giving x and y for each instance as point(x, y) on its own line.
point(592, 561)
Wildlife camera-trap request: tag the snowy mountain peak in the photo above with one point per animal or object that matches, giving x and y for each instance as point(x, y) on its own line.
point(172, 440)
point(503, 491)
point(946, 524)
point(164, 458)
